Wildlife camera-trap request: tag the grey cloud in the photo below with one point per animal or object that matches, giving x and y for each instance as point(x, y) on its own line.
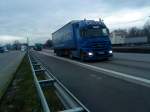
point(42, 17)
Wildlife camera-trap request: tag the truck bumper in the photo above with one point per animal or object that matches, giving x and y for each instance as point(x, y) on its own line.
point(98, 55)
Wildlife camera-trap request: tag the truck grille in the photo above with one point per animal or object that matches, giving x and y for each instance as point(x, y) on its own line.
point(99, 45)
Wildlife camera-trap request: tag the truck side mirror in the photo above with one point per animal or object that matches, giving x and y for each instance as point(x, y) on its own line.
point(108, 31)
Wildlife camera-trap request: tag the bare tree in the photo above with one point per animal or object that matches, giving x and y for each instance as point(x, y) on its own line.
point(16, 45)
point(48, 44)
point(147, 30)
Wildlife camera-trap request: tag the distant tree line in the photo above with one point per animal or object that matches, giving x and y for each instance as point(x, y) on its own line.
point(48, 44)
point(16, 45)
point(147, 30)
point(137, 32)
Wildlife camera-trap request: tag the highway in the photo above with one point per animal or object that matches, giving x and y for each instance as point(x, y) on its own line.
point(119, 85)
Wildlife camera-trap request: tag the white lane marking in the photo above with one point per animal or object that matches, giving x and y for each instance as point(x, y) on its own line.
point(127, 77)
point(96, 76)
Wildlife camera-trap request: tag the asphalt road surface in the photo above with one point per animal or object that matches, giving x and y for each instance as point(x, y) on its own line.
point(9, 61)
point(120, 85)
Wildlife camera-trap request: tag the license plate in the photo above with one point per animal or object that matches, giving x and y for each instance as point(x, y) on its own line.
point(101, 52)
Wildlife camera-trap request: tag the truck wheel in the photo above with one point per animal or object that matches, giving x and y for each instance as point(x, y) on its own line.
point(57, 53)
point(71, 56)
point(82, 57)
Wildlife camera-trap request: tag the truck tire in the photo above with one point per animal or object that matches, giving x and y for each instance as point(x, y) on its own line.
point(57, 53)
point(82, 56)
point(71, 56)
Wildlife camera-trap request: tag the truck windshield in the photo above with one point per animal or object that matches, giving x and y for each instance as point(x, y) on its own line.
point(94, 32)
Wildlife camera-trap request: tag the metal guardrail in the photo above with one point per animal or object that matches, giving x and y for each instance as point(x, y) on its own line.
point(69, 101)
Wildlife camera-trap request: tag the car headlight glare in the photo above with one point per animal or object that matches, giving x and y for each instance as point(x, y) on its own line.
point(110, 52)
point(90, 54)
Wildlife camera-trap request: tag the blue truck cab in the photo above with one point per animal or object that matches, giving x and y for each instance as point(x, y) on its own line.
point(84, 39)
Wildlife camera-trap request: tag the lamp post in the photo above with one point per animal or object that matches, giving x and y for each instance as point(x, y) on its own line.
point(27, 44)
point(148, 28)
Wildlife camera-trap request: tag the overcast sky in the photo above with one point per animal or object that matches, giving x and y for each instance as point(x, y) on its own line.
point(37, 19)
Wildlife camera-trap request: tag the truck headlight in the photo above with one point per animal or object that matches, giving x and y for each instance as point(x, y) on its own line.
point(90, 53)
point(110, 52)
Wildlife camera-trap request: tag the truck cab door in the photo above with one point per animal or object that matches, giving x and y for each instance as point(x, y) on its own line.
point(77, 35)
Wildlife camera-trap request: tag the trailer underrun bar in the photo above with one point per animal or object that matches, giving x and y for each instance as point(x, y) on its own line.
point(69, 101)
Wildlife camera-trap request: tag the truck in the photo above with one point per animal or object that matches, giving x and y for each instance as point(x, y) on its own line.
point(84, 39)
point(38, 47)
point(23, 48)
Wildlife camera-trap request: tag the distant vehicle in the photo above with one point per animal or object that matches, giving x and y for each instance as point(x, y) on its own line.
point(84, 39)
point(2, 50)
point(38, 47)
point(5, 49)
point(23, 48)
